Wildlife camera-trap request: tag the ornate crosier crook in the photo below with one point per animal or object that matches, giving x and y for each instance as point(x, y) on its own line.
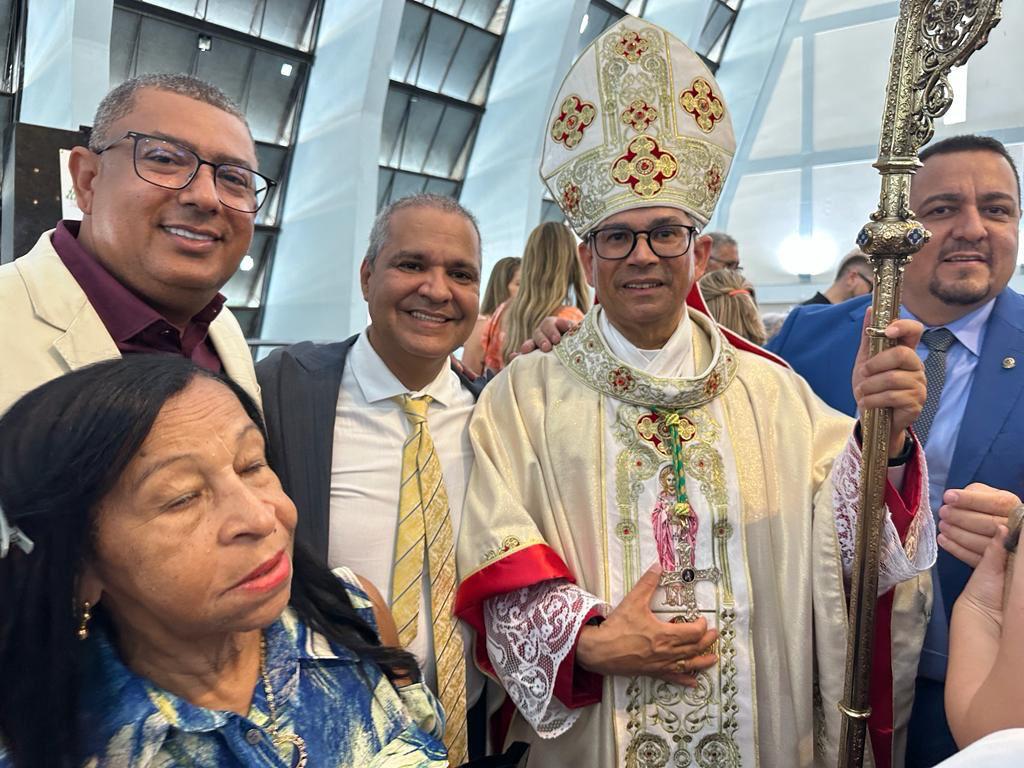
point(932, 37)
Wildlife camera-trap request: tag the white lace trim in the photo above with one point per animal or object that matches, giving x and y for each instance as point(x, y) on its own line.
point(529, 633)
point(899, 561)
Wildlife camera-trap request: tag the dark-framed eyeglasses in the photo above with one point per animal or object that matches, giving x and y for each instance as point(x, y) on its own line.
point(667, 241)
point(735, 266)
point(167, 164)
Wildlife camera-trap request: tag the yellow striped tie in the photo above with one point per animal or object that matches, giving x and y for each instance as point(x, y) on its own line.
point(425, 526)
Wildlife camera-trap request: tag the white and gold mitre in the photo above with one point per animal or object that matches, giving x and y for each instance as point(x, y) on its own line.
point(638, 122)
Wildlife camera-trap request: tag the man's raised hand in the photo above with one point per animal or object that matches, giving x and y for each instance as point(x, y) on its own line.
point(547, 335)
point(894, 378)
point(633, 641)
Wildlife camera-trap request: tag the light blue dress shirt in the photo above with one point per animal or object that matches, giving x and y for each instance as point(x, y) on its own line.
point(961, 362)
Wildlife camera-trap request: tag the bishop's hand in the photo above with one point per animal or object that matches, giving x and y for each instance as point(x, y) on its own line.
point(894, 378)
point(633, 641)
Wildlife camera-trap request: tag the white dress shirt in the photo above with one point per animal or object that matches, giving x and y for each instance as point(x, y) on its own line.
point(370, 430)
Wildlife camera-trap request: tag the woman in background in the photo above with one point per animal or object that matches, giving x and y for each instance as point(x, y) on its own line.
point(502, 286)
point(552, 285)
point(733, 304)
point(154, 609)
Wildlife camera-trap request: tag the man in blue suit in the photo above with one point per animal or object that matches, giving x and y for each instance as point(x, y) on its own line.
point(968, 195)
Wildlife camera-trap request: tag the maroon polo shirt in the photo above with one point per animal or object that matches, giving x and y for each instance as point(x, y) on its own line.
point(134, 325)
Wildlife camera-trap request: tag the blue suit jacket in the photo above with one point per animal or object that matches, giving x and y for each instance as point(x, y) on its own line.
point(821, 343)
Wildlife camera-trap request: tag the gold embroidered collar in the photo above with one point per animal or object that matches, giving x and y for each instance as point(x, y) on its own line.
point(586, 354)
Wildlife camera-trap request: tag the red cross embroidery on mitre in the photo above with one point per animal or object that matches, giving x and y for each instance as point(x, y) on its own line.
point(645, 167)
point(701, 102)
point(631, 46)
point(639, 114)
point(571, 196)
point(572, 121)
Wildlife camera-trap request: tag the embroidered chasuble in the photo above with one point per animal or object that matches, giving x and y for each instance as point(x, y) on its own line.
point(597, 460)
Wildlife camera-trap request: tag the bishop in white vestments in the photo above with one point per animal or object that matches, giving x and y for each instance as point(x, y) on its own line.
point(659, 527)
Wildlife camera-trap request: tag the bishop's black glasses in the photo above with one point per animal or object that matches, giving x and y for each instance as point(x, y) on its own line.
point(668, 241)
point(168, 164)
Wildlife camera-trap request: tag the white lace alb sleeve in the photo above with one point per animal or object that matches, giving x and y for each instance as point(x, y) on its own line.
point(898, 562)
point(530, 631)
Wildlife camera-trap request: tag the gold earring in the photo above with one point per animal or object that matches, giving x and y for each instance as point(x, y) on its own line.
point(83, 625)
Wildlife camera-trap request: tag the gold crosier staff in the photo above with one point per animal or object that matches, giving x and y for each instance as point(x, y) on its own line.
point(932, 36)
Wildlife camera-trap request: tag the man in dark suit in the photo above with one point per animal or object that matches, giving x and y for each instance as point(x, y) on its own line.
point(346, 423)
point(968, 196)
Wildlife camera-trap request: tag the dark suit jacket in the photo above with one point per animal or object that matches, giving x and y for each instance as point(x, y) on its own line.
point(300, 397)
point(821, 343)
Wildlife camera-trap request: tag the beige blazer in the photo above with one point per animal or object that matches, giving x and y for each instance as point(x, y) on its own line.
point(48, 328)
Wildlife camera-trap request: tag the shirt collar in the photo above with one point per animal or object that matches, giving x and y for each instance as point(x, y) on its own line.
point(969, 330)
point(124, 314)
point(378, 383)
point(673, 360)
point(114, 697)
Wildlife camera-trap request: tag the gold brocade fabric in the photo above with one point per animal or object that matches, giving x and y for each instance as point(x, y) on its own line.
point(543, 451)
point(425, 529)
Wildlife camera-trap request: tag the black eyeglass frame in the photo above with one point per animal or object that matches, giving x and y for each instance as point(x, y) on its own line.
point(592, 236)
point(735, 266)
point(200, 162)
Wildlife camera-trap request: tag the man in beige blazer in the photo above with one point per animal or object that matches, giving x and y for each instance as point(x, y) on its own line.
point(169, 194)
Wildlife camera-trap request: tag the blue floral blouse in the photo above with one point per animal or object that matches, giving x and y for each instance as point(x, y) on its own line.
point(322, 691)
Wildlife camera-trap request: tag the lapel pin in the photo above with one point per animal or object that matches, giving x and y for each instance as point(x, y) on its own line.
point(1009, 362)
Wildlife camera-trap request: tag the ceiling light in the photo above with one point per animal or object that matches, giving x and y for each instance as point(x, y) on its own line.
point(286, 69)
point(808, 254)
point(247, 263)
point(204, 42)
point(584, 22)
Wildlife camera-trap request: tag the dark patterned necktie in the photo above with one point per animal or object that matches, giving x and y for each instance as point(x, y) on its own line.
point(938, 341)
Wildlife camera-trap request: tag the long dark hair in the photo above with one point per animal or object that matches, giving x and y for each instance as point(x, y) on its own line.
point(63, 446)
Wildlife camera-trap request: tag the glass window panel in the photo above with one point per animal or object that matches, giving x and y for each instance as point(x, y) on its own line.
point(270, 106)
point(499, 19)
point(243, 15)
point(483, 84)
point(450, 141)
point(289, 22)
point(715, 25)
point(406, 184)
point(163, 47)
point(227, 66)
point(410, 39)
point(187, 7)
point(598, 20)
point(848, 99)
point(442, 187)
point(765, 210)
point(814, 9)
point(385, 176)
point(474, 53)
point(271, 158)
point(444, 36)
point(410, 152)
point(781, 127)
point(245, 288)
point(124, 30)
point(395, 106)
point(845, 195)
point(482, 12)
